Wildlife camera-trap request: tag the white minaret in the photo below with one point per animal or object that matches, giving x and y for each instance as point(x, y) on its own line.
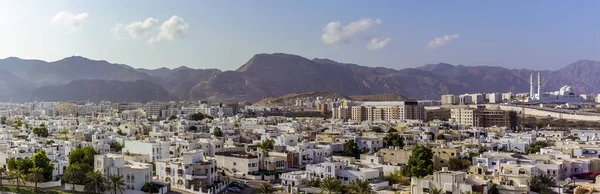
point(531, 86)
point(539, 95)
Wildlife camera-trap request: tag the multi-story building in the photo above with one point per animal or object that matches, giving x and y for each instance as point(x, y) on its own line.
point(191, 172)
point(154, 109)
point(154, 149)
point(393, 110)
point(237, 163)
point(494, 98)
point(323, 107)
point(395, 156)
point(450, 99)
point(135, 174)
point(66, 108)
point(481, 117)
point(454, 182)
point(359, 113)
point(441, 156)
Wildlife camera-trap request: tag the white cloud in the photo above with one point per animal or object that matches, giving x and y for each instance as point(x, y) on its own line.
point(441, 41)
point(70, 20)
point(378, 43)
point(135, 30)
point(172, 29)
point(334, 33)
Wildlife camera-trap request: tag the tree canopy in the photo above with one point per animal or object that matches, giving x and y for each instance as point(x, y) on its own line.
point(268, 144)
point(536, 146)
point(377, 129)
point(394, 139)
point(217, 132)
point(197, 116)
point(420, 162)
point(351, 149)
point(41, 131)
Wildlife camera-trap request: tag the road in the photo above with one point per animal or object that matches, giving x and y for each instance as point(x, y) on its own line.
point(252, 188)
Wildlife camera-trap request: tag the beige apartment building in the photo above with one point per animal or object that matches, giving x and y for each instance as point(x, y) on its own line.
point(481, 117)
point(380, 111)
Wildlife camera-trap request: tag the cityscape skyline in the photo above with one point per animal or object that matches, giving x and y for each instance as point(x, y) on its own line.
point(206, 35)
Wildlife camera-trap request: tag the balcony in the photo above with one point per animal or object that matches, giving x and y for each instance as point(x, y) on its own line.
point(196, 176)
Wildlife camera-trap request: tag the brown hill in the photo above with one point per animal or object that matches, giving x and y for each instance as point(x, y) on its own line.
point(379, 97)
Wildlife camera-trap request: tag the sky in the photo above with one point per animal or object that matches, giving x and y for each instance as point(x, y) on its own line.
point(225, 34)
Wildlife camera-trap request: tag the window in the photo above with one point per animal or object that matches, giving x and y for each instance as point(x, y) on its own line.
point(234, 163)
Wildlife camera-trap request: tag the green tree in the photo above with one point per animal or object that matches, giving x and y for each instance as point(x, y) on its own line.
point(64, 132)
point(40, 131)
point(41, 160)
point(83, 155)
point(18, 124)
point(36, 175)
point(397, 177)
point(74, 174)
point(330, 185)
point(360, 186)
point(494, 189)
point(377, 129)
point(392, 130)
point(3, 120)
point(351, 149)
point(197, 117)
point(117, 146)
point(11, 164)
point(16, 176)
point(314, 182)
point(3, 173)
point(151, 187)
point(458, 164)
point(121, 133)
point(172, 117)
point(542, 183)
point(267, 188)
point(420, 162)
point(217, 132)
point(394, 139)
point(116, 184)
point(96, 183)
point(24, 165)
point(435, 191)
point(536, 146)
point(268, 144)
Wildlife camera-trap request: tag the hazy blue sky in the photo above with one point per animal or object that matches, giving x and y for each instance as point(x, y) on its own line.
point(225, 34)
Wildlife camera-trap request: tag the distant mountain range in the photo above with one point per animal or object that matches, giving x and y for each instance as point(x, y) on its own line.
point(268, 75)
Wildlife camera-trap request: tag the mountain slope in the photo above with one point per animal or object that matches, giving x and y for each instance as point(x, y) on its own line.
point(99, 90)
point(278, 74)
point(77, 68)
point(13, 88)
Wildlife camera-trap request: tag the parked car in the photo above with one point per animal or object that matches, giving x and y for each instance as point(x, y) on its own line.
point(238, 185)
point(234, 189)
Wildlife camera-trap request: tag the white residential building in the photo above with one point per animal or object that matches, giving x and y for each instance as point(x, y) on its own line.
point(135, 174)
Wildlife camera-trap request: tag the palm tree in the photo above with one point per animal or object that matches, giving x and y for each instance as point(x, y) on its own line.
point(16, 176)
point(360, 186)
point(96, 182)
point(331, 185)
point(116, 184)
point(267, 188)
point(74, 175)
point(35, 175)
point(2, 173)
point(435, 191)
